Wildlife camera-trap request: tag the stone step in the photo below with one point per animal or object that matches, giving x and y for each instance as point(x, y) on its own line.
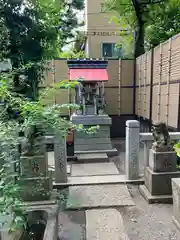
point(92, 157)
point(95, 180)
point(105, 224)
point(93, 169)
point(98, 196)
point(93, 147)
point(110, 152)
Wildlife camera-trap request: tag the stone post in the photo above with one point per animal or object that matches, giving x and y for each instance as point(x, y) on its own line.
point(60, 159)
point(147, 146)
point(84, 105)
point(132, 149)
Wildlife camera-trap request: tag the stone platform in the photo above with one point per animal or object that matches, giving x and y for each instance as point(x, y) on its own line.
point(94, 169)
point(85, 197)
point(100, 225)
point(157, 186)
point(154, 198)
point(96, 180)
point(95, 224)
point(92, 157)
point(96, 143)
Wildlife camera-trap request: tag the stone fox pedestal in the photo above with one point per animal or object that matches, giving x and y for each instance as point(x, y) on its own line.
point(157, 177)
point(93, 147)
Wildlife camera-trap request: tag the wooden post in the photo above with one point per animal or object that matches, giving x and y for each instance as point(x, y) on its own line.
point(119, 86)
point(168, 80)
point(54, 76)
point(160, 77)
point(145, 78)
point(134, 88)
point(151, 89)
point(140, 86)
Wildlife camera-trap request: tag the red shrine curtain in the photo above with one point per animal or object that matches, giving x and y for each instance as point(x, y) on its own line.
point(88, 74)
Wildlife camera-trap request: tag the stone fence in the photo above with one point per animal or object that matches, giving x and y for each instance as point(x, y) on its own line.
point(133, 140)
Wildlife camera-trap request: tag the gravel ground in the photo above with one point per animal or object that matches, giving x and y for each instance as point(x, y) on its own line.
point(148, 222)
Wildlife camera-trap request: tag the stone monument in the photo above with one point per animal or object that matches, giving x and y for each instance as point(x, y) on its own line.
point(35, 178)
point(162, 167)
point(89, 95)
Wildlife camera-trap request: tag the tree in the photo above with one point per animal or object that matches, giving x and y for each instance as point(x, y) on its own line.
point(35, 114)
point(77, 50)
point(134, 15)
point(129, 14)
point(164, 22)
point(33, 31)
point(72, 53)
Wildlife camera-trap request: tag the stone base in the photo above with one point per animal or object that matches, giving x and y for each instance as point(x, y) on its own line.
point(110, 153)
point(99, 141)
point(162, 161)
point(159, 183)
point(36, 189)
point(92, 157)
point(154, 198)
point(91, 120)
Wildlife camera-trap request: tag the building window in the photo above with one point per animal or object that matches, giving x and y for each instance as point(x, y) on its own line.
point(111, 50)
point(102, 7)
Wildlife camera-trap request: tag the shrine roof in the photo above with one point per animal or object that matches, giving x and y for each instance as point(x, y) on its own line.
point(88, 74)
point(87, 64)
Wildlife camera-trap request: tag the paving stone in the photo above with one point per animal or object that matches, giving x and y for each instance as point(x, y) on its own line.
point(92, 157)
point(105, 224)
point(92, 169)
point(72, 225)
point(97, 180)
point(98, 196)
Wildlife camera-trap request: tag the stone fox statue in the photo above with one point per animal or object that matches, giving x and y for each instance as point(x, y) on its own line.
point(162, 141)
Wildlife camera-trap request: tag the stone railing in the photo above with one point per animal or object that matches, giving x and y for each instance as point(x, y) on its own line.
point(133, 140)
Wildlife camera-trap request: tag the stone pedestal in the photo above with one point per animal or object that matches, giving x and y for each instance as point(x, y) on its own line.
point(98, 142)
point(176, 201)
point(36, 188)
point(35, 179)
point(162, 161)
point(89, 110)
point(157, 177)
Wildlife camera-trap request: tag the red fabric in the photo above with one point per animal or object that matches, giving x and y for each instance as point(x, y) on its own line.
point(88, 74)
point(69, 138)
